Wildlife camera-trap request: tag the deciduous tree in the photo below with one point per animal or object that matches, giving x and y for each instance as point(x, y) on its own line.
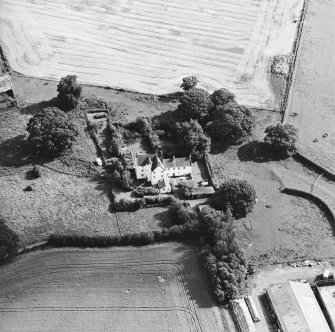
point(9, 241)
point(69, 93)
point(232, 122)
point(189, 82)
point(195, 104)
point(239, 196)
point(192, 140)
point(51, 131)
point(282, 138)
point(222, 97)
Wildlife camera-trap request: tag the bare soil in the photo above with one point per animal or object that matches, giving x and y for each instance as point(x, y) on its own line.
point(159, 287)
point(151, 46)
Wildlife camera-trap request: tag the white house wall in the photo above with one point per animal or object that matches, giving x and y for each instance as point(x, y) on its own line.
point(179, 171)
point(143, 172)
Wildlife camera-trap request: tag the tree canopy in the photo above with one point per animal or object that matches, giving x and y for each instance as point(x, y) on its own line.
point(236, 195)
point(223, 257)
point(232, 122)
point(189, 82)
point(69, 93)
point(282, 138)
point(192, 140)
point(9, 241)
point(195, 104)
point(222, 97)
point(51, 131)
point(182, 213)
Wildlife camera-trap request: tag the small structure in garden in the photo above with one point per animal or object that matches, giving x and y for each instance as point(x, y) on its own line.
point(6, 89)
point(201, 192)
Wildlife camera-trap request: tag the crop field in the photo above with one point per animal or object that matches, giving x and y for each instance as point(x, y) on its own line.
point(156, 288)
point(312, 92)
point(148, 46)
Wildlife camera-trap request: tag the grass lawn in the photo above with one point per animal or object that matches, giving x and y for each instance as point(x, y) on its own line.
point(60, 204)
point(144, 220)
point(281, 227)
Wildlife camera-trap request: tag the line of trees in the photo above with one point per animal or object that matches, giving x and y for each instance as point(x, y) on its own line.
point(223, 257)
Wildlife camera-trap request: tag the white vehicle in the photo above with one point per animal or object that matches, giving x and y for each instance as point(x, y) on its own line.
point(252, 308)
point(326, 274)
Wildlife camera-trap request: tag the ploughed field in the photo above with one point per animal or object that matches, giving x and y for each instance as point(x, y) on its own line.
point(148, 46)
point(155, 288)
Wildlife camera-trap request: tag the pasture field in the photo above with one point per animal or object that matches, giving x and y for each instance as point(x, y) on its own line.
point(60, 203)
point(281, 227)
point(149, 46)
point(312, 92)
point(154, 288)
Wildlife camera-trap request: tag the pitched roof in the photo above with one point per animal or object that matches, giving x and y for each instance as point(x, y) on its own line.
point(143, 159)
point(5, 83)
point(162, 183)
point(177, 162)
point(297, 308)
point(203, 190)
point(156, 162)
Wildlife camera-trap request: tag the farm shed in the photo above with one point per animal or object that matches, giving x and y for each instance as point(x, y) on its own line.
point(327, 297)
point(200, 192)
point(6, 85)
point(296, 308)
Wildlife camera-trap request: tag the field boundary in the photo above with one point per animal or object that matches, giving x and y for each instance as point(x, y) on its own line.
point(303, 157)
point(296, 54)
point(314, 198)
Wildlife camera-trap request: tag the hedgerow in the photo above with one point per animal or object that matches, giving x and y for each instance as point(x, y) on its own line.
point(124, 205)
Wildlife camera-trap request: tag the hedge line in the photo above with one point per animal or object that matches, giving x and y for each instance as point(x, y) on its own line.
point(146, 191)
point(303, 157)
point(316, 199)
point(153, 140)
point(210, 173)
point(124, 205)
point(173, 233)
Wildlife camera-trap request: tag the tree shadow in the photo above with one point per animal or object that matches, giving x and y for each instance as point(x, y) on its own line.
point(219, 147)
point(30, 175)
point(37, 107)
point(103, 184)
point(164, 218)
point(170, 97)
point(258, 152)
point(17, 151)
point(267, 311)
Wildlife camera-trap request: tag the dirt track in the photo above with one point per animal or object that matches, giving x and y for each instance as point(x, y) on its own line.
point(121, 289)
point(149, 46)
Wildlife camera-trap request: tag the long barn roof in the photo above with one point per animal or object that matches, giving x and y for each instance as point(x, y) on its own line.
point(297, 308)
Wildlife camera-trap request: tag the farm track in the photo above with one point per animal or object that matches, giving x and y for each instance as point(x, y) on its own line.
point(149, 47)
